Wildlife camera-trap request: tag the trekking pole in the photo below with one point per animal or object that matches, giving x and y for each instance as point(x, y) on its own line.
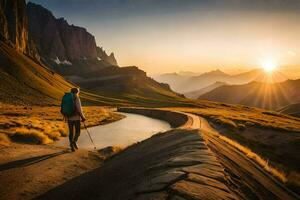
point(87, 130)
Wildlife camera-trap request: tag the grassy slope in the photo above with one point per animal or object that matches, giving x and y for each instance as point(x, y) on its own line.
point(142, 91)
point(24, 81)
point(272, 135)
point(131, 85)
point(292, 109)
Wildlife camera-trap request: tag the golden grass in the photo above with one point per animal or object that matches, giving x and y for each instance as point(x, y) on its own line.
point(270, 138)
point(43, 125)
point(4, 140)
point(262, 162)
point(110, 151)
point(238, 116)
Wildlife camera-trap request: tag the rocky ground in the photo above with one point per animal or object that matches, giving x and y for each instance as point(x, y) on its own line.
point(174, 165)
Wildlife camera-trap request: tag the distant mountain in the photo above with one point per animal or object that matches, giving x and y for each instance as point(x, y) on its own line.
point(175, 80)
point(186, 84)
point(195, 94)
point(188, 73)
point(291, 109)
point(264, 95)
point(62, 46)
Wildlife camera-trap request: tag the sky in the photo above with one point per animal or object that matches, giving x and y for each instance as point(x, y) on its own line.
point(191, 35)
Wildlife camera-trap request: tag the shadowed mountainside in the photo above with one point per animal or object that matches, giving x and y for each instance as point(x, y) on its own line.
point(258, 94)
point(130, 84)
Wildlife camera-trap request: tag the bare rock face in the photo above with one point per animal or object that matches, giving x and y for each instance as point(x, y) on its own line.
point(78, 43)
point(3, 22)
point(15, 23)
point(56, 39)
point(108, 58)
point(44, 31)
point(14, 26)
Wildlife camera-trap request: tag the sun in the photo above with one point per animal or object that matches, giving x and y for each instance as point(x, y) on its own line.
point(269, 66)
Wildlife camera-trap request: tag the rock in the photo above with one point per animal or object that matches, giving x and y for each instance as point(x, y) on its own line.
point(191, 190)
point(212, 171)
point(153, 196)
point(14, 26)
point(161, 181)
point(108, 58)
point(3, 22)
point(206, 181)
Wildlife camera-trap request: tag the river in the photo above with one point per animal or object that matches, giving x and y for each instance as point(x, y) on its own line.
point(133, 128)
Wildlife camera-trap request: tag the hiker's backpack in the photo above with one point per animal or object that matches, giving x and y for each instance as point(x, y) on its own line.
point(67, 105)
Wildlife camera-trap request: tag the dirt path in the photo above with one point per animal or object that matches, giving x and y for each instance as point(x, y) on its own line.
point(27, 171)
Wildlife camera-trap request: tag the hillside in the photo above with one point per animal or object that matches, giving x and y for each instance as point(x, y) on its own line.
point(195, 94)
point(258, 94)
point(23, 81)
point(130, 84)
point(292, 109)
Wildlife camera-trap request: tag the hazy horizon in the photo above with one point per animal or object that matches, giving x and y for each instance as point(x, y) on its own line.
point(199, 36)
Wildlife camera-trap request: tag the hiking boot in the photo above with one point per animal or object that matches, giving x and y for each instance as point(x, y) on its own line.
point(75, 145)
point(72, 147)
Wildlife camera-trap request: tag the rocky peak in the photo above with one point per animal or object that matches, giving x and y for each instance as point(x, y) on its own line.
point(108, 58)
point(56, 38)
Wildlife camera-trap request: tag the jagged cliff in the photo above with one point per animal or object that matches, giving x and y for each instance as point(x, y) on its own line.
point(103, 56)
point(61, 42)
point(14, 26)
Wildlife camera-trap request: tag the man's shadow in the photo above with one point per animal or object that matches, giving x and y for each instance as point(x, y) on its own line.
point(30, 161)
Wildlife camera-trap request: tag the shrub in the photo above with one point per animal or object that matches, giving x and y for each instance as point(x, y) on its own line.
point(30, 136)
point(53, 135)
point(4, 140)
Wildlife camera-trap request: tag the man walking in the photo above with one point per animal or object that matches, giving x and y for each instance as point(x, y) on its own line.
point(74, 119)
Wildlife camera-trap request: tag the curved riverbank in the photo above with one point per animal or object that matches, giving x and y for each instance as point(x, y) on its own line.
point(121, 133)
point(175, 119)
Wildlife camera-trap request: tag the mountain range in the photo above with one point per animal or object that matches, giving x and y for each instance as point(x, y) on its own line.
point(35, 48)
point(188, 84)
point(258, 94)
